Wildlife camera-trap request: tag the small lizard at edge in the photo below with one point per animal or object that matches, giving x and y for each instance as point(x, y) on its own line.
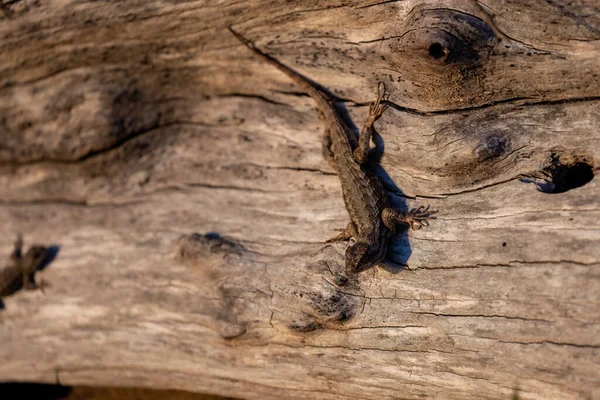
point(372, 220)
point(20, 271)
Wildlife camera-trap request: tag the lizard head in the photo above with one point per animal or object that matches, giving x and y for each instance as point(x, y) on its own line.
point(359, 257)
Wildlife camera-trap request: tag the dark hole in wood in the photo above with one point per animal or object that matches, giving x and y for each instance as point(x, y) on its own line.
point(504, 244)
point(437, 51)
point(564, 172)
point(567, 177)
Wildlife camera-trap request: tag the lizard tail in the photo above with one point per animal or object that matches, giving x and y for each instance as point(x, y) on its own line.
point(323, 98)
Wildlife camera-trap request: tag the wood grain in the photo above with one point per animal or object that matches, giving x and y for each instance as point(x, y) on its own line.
point(182, 180)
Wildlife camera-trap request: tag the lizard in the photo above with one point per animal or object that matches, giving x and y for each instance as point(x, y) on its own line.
point(21, 269)
point(372, 219)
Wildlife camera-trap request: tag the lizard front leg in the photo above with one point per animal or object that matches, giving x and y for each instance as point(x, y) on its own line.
point(344, 235)
point(376, 109)
point(415, 218)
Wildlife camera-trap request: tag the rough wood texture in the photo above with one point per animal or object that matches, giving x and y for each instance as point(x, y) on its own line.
point(127, 126)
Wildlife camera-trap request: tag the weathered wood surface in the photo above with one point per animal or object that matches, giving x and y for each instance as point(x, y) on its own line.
point(125, 127)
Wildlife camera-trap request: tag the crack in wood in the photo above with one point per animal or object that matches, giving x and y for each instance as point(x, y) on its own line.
point(541, 342)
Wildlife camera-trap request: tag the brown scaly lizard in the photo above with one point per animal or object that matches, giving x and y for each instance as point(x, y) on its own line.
point(20, 271)
point(372, 220)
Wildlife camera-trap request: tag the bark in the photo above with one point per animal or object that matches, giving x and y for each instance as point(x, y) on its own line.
point(181, 182)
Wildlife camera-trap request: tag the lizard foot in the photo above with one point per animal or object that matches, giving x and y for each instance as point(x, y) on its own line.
point(415, 218)
point(419, 217)
point(377, 108)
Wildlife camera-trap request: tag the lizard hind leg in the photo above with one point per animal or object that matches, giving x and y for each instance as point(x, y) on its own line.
point(376, 109)
point(416, 218)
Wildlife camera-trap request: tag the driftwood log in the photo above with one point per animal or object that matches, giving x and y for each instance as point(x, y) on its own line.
point(181, 181)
